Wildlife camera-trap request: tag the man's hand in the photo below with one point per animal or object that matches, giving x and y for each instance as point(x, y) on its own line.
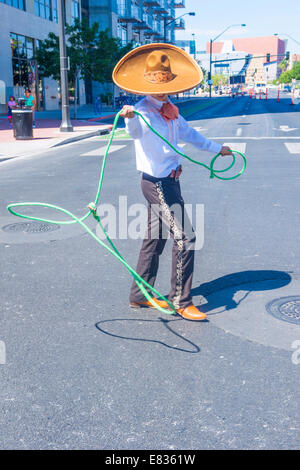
point(127, 112)
point(225, 151)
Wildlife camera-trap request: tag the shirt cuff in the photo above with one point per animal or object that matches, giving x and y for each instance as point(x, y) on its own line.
point(215, 147)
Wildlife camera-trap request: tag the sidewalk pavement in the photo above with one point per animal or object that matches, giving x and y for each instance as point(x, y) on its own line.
point(47, 134)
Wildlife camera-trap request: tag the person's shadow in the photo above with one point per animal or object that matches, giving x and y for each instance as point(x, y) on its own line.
point(221, 291)
point(168, 332)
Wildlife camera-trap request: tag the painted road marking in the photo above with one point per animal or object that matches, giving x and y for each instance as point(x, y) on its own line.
point(232, 137)
point(285, 128)
point(293, 147)
point(99, 152)
point(239, 132)
point(239, 146)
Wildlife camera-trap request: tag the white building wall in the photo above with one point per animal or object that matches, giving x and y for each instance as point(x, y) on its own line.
point(28, 24)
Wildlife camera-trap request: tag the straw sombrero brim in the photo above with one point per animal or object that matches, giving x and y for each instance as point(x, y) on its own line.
point(129, 73)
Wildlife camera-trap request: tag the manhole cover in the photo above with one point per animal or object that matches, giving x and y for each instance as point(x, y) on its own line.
point(286, 309)
point(30, 227)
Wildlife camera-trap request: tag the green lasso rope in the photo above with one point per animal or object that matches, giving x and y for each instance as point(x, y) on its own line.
point(142, 284)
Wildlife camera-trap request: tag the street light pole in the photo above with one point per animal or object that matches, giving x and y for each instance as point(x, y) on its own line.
point(210, 56)
point(289, 36)
point(66, 125)
point(210, 51)
point(194, 45)
point(165, 29)
point(191, 13)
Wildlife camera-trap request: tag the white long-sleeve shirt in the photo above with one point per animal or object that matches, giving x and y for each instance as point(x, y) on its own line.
point(153, 155)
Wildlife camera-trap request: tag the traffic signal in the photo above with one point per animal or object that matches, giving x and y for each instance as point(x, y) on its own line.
point(268, 57)
point(287, 55)
point(247, 59)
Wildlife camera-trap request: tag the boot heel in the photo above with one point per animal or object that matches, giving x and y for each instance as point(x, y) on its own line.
point(134, 305)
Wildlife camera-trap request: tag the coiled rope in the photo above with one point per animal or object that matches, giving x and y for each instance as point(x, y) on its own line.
point(92, 206)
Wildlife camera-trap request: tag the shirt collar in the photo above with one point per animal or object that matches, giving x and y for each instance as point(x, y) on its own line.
point(158, 104)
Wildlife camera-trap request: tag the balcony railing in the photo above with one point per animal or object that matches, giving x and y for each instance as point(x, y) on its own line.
point(171, 14)
point(152, 3)
point(146, 23)
point(163, 9)
point(179, 4)
point(179, 24)
point(129, 13)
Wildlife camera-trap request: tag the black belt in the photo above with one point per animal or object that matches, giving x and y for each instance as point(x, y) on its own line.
point(173, 176)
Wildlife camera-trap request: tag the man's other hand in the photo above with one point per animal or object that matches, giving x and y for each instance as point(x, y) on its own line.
point(225, 151)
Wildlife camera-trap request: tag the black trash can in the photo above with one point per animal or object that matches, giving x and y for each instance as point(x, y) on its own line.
point(22, 123)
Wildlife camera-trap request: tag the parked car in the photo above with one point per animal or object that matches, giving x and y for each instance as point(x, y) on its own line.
point(260, 87)
point(286, 89)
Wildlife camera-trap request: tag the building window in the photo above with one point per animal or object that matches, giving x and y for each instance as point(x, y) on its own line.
point(23, 64)
point(46, 9)
point(43, 9)
point(75, 9)
point(122, 34)
point(54, 11)
point(15, 3)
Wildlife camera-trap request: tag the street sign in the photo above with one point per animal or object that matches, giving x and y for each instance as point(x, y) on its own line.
point(192, 47)
point(237, 79)
point(210, 82)
point(221, 65)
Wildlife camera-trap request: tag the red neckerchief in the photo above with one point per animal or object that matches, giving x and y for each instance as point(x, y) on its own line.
point(169, 111)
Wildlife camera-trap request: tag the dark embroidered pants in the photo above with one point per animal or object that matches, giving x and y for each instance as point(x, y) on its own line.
point(166, 216)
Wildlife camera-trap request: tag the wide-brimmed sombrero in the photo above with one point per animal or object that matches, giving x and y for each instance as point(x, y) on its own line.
point(157, 68)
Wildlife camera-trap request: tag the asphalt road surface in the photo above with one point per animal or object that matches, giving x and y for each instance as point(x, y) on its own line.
point(79, 369)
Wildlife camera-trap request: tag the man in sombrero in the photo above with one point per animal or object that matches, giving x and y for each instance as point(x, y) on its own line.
point(157, 71)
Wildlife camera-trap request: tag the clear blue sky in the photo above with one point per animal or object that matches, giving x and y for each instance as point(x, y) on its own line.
point(262, 17)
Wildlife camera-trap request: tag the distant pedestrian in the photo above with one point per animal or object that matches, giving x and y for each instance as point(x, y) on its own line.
point(11, 104)
point(30, 102)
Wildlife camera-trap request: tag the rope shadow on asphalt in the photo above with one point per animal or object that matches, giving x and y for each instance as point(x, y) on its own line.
point(162, 321)
point(221, 291)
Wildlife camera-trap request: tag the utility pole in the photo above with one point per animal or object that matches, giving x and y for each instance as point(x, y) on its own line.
point(66, 125)
point(210, 64)
point(194, 45)
point(210, 51)
point(165, 29)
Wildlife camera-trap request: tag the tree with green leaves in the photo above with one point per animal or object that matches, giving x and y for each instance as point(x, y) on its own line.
point(219, 79)
point(286, 77)
point(93, 53)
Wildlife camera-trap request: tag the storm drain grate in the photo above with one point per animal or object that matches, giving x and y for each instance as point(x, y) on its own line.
point(286, 309)
point(30, 227)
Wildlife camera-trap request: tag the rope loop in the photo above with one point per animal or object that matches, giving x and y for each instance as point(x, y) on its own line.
point(147, 290)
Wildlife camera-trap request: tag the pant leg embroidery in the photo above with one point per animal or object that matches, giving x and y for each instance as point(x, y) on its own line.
point(179, 242)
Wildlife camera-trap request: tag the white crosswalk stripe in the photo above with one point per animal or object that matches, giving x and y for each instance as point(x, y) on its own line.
point(238, 146)
point(99, 152)
point(293, 147)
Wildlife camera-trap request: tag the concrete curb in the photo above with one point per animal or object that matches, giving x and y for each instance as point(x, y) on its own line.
point(82, 137)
